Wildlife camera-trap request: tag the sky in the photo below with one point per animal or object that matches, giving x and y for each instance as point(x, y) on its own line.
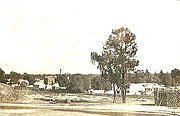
point(42, 36)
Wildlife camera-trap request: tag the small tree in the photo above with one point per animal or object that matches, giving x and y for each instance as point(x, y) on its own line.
point(31, 79)
point(148, 77)
point(15, 77)
point(78, 83)
point(175, 75)
point(3, 78)
point(63, 80)
point(165, 79)
point(117, 58)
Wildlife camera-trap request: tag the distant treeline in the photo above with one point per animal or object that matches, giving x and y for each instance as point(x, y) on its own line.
point(77, 83)
point(162, 78)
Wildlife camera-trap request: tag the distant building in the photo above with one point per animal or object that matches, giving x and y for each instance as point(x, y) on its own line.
point(144, 88)
point(40, 84)
point(91, 91)
point(55, 86)
point(49, 87)
point(174, 88)
point(50, 79)
point(48, 83)
point(22, 84)
point(52, 87)
point(110, 92)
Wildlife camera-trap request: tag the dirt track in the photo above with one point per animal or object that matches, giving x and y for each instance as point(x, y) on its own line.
point(86, 109)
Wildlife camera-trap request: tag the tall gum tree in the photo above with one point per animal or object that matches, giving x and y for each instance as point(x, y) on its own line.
point(117, 59)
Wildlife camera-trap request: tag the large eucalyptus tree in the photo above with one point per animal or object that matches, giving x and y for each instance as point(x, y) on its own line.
point(117, 58)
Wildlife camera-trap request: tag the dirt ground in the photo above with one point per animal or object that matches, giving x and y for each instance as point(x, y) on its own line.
point(34, 103)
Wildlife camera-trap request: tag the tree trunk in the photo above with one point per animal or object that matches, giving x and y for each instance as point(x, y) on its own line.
point(123, 89)
point(114, 89)
point(123, 93)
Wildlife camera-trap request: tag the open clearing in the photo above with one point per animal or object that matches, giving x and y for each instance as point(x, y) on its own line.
point(35, 103)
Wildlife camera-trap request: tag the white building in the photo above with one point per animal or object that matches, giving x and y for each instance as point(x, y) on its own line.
point(135, 89)
point(55, 85)
point(49, 87)
point(109, 92)
point(91, 91)
point(40, 83)
point(144, 88)
point(23, 81)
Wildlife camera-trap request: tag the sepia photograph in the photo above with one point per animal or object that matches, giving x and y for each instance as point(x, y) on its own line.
point(89, 57)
